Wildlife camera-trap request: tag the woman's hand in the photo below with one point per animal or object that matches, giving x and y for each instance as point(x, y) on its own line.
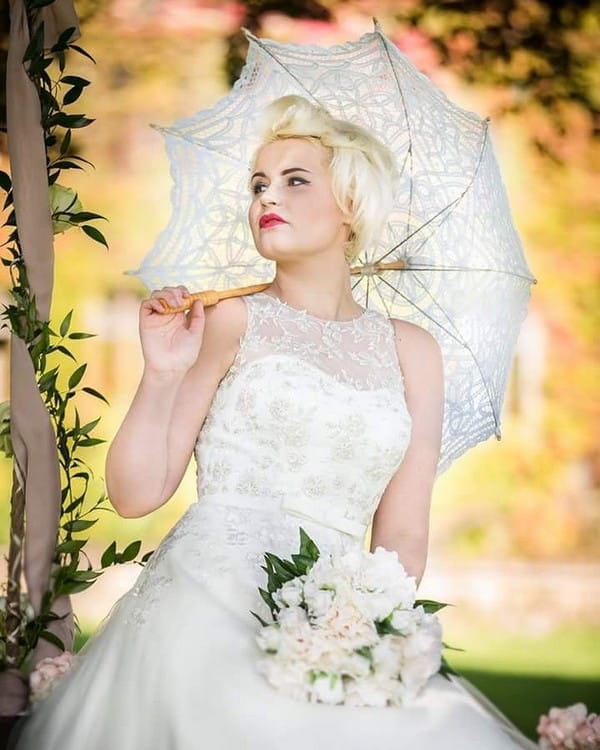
point(170, 342)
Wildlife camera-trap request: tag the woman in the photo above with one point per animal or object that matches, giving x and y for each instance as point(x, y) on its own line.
point(302, 409)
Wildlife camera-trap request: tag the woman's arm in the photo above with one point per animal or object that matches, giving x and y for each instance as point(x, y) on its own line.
point(151, 450)
point(401, 521)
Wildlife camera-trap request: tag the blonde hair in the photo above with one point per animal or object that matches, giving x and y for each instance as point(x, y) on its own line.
point(363, 169)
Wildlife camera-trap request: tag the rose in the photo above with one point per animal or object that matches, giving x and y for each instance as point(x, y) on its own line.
point(48, 672)
point(406, 621)
point(569, 728)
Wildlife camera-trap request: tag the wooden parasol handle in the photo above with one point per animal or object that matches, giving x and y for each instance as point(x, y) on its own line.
point(211, 297)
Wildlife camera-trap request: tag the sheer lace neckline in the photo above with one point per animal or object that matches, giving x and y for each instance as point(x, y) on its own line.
point(305, 314)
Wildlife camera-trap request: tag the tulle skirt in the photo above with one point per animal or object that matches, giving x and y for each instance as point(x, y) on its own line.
point(179, 672)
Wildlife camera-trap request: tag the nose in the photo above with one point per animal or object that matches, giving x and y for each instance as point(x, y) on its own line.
point(269, 196)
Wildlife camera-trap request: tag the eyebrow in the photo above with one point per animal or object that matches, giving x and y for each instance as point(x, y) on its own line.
point(285, 171)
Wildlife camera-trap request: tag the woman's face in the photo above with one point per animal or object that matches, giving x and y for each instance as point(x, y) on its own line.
point(293, 213)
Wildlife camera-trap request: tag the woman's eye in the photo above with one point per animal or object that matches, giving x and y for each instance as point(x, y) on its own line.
point(297, 181)
point(258, 187)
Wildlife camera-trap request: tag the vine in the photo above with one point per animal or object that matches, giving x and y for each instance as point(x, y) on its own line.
point(72, 571)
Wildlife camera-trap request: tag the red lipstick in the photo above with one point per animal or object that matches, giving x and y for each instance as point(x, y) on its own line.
point(270, 220)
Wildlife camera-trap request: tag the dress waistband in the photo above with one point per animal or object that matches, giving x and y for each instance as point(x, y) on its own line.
point(328, 517)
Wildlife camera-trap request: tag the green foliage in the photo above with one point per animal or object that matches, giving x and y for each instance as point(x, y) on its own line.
point(59, 381)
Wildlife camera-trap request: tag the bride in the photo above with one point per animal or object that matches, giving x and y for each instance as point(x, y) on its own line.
point(301, 409)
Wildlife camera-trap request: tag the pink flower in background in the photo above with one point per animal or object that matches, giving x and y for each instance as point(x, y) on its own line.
point(569, 728)
point(47, 672)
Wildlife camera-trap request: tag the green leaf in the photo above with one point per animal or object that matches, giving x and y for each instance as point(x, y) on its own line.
point(47, 635)
point(79, 524)
point(130, 552)
point(66, 142)
point(86, 216)
point(95, 393)
point(81, 335)
point(71, 546)
point(90, 442)
point(64, 37)
point(307, 546)
point(85, 575)
point(63, 350)
point(147, 556)
point(66, 323)
point(87, 428)
point(77, 375)
point(81, 51)
point(430, 606)
point(109, 555)
point(95, 234)
point(5, 181)
point(69, 121)
point(64, 164)
point(264, 623)
point(72, 95)
point(75, 81)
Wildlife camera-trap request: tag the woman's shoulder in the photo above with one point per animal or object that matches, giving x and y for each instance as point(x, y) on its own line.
point(415, 346)
point(224, 326)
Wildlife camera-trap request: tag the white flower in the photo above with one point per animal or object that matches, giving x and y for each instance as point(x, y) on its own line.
point(317, 600)
point(48, 672)
point(288, 677)
point(422, 654)
point(368, 691)
point(388, 655)
point(290, 594)
point(406, 621)
point(327, 688)
point(269, 638)
point(344, 620)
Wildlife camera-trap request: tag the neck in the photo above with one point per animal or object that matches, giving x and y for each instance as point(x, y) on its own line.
point(326, 293)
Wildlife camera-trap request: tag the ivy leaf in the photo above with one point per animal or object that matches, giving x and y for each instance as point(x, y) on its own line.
point(95, 234)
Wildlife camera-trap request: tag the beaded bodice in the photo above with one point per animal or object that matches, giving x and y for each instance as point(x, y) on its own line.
point(310, 418)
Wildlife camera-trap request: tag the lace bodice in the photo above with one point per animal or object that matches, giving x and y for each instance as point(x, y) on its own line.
point(311, 416)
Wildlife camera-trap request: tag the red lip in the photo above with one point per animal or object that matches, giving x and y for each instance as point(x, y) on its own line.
point(270, 220)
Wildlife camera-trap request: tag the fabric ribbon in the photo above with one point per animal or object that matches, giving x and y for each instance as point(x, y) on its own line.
point(32, 434)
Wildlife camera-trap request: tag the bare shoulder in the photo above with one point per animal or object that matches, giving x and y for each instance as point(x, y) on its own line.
point(226, 318)
point(412, 339)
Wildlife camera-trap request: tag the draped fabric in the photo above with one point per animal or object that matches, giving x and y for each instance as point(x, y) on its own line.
point(35, 457)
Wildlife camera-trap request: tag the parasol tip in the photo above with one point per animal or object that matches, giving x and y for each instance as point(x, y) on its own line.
point(376, 26)
point(249, 35)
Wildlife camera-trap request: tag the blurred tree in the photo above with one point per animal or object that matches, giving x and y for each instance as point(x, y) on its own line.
point(544, 53)
point(254, 9)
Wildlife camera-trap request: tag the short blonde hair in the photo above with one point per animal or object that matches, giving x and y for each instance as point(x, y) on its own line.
point(363, 169)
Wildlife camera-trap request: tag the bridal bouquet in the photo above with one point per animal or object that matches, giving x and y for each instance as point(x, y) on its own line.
point(347, 628)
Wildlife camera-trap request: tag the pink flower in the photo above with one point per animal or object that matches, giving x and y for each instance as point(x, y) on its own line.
point(47, 672)
point(569, 728)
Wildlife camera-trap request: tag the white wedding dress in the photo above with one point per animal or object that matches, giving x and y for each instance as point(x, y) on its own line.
point(306, 429)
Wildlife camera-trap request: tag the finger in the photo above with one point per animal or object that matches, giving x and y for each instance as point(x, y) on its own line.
point(196, 317)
